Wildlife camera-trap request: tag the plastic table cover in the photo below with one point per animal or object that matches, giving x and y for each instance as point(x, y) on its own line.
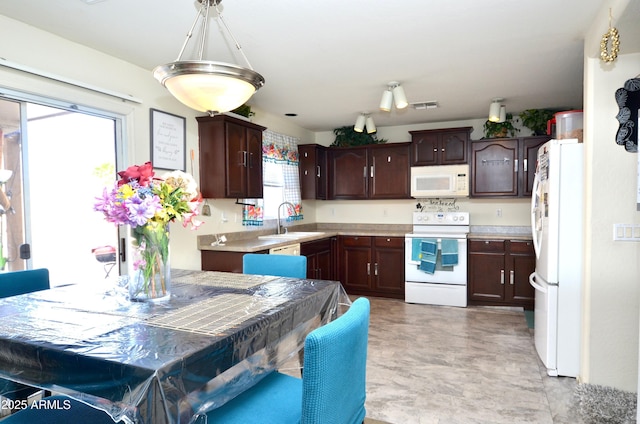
point(162, 362)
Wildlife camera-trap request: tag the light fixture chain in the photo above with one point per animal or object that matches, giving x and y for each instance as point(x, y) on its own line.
point(224, 23)
point(190, 34)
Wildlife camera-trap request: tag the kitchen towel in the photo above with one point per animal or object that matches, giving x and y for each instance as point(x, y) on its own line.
point(416, 249)
point(428, 255)
point(429, 246)
point(449, 252)
point(428, 263)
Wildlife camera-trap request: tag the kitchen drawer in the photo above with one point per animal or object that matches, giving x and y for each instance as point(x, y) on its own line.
point(487, 246)
point(389, 242)
point(521, 246)
point(354, 241)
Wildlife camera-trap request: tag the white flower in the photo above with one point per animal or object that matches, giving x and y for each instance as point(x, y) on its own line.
point(183, 180)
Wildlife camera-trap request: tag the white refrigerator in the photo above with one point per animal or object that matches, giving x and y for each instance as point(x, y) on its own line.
point(556, 221)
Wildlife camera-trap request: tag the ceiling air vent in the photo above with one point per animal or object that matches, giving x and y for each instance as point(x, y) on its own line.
point(432, 104)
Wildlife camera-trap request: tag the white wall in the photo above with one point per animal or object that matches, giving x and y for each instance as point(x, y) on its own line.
point(612, 269)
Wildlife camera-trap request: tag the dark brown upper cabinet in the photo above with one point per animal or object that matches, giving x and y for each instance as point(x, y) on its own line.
point(378, 171)
point(230, 157)
point(440, 147)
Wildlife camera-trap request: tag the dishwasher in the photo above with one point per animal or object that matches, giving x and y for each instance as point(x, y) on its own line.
point(289, 249)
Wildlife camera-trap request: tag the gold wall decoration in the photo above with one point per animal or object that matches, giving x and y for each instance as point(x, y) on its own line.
point(610, 44)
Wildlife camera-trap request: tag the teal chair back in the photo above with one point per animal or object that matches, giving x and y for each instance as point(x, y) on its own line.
point(332, 389)
point(335, 361)
point(279, 265)
point(21, 282)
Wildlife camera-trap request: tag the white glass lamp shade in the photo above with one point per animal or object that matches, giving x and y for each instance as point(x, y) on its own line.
point(387, 101)
point(399, 97)
point(371, 126)
point(206, 86)
point(360, 122)
point(494, 112)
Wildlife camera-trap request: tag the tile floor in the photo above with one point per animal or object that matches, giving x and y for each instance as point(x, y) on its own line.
point(446, 365)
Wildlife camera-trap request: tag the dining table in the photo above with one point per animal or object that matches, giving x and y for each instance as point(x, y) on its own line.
point(164, 362)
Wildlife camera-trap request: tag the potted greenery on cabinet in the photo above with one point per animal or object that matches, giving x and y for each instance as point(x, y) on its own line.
point(347, 136)
point(500, 129)
point(536, 120)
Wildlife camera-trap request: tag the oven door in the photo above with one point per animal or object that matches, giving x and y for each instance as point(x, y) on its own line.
point(444, 275)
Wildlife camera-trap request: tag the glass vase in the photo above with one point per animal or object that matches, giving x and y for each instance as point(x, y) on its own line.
point(150, 276)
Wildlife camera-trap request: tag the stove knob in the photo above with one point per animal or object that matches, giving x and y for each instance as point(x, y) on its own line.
point(455, 218)
point(462, 218)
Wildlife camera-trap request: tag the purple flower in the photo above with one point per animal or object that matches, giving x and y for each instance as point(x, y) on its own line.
point(141, 210)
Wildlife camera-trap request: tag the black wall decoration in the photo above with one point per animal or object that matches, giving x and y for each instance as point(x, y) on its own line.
point(628, 99)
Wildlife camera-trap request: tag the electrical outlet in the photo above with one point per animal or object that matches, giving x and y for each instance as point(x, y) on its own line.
point(499, 213)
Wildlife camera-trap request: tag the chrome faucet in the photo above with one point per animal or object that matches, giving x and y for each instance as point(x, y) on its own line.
point(279, 229)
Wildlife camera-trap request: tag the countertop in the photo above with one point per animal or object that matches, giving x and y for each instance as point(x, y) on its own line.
point(248, 241)
point(504, 232)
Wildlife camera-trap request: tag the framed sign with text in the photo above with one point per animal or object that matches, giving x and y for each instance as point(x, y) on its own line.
point(168, 140)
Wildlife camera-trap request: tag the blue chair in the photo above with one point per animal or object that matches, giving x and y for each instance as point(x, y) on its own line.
point(21, 282)
point(332, 389)
point(279, 265)
point(12, 284)
point(61, 410)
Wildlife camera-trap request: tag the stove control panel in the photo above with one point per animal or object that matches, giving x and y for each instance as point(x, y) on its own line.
point(441, 218)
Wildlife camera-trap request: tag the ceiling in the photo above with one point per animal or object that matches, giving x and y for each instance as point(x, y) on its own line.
point(328, 61)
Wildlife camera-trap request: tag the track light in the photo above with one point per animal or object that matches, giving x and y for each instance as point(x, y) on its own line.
point(364, 120)
point(494, 110)
point(360, 123)
point(393, 93)
point(371, 127)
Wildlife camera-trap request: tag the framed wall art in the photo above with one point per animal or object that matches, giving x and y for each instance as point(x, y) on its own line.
point(168, 140)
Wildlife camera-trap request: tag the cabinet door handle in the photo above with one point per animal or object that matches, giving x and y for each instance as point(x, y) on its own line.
point(502, 276)
point(511, 277)
point(435, 149)
point(242, 158)
point(442, 149)
point(250, 159)
point(364, 172)
point(368, 268)
point(371, 171)
point(524, 165)
point(375, 269)
point(515, 165)
point(318, 171)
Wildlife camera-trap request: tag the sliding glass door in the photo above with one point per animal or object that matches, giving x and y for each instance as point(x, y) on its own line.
point(59, 159)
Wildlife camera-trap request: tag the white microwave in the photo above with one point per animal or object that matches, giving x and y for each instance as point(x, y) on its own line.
point(440, 181)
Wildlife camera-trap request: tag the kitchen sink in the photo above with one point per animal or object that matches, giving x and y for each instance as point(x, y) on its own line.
point(291, 235)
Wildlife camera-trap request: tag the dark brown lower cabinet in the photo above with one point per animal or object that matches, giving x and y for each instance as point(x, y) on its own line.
point(214, 260)
point(372, 266)
point(320, 258)
point(499, 272)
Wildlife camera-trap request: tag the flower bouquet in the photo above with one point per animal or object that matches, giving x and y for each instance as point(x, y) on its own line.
point(147, 205)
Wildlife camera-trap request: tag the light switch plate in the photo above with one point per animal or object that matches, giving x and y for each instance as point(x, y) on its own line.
point(626, 232)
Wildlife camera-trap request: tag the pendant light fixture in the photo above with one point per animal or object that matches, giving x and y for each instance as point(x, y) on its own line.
point(204, 85)
point(393, 93)
point(364, 120)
